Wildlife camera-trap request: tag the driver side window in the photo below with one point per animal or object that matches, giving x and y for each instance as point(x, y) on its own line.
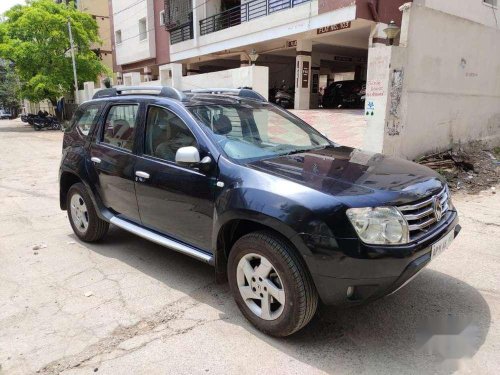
point(165, 134)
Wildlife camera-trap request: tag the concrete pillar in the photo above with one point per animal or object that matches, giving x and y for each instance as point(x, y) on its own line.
point(303, 77)
point(88, 89)
point(148, 74)
point(192, 70)
point(171, 75)
point(132, 79)
point(244, 60)
point(377, 36)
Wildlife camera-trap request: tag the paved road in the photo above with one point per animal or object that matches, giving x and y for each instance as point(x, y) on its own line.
point(126, 306)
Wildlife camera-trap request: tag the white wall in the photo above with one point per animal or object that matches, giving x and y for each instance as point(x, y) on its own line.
point(256, 77)
point(443, 87)
point(474, 10)
point(126, 16)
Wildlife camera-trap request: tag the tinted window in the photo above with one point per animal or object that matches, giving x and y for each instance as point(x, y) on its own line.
point(165, 134)
point(119, 129)
point(253, 130)
point(87, 117)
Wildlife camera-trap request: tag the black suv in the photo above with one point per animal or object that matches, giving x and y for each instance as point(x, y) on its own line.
point(285, 215)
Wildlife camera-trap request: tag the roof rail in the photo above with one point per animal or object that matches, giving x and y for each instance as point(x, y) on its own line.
point(242, 93)
point(163, 91)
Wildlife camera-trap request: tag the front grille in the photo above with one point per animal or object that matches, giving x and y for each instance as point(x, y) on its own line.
point(423, 216)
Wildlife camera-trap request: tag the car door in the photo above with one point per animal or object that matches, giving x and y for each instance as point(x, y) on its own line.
point(173, 199)
point(112, 155)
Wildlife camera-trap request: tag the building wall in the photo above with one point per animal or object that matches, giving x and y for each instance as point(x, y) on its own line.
point(99, 10)
point(161, 34)
point(443, 86)
point(285, 23)
point(126, 16)
point(373, 10)
point(474, 10)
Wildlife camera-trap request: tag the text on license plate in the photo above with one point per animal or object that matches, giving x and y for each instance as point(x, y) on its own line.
point(442, 244)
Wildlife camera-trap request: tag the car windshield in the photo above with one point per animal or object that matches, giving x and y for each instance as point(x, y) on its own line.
point(251, 130)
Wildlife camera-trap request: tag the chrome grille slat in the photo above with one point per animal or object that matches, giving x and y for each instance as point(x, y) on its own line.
point(411, 207)
point(423, 225)
point(427, 212)
point(420, 216)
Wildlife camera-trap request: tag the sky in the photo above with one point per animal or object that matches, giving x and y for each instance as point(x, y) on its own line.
point(7, 4)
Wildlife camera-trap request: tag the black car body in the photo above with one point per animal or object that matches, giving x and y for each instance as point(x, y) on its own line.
point(298, 199)
point(345, 94)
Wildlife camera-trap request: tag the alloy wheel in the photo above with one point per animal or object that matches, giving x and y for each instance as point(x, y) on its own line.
point(260, 286)
point(79, 213)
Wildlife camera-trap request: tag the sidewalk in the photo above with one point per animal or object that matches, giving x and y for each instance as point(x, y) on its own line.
point(344, 126)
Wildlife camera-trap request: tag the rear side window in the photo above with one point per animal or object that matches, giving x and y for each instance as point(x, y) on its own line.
point(119, 128)
point(87, 117)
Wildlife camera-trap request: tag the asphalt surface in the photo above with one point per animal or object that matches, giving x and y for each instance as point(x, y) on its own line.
point(127, 306)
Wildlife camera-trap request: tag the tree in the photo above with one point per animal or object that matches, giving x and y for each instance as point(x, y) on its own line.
point(34, 37)
point(9, 87)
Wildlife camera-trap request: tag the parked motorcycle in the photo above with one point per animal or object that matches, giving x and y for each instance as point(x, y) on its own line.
point(44, 121)
point(285, 97)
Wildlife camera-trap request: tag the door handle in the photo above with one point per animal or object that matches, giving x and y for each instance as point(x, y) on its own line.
point(95, 160)
point(142, 174)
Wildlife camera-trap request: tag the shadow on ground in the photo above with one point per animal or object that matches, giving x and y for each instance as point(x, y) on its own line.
point(377, 338)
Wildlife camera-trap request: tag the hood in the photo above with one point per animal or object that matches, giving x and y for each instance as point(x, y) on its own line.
point(356, 177)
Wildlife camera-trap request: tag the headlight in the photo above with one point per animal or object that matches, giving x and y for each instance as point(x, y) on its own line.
point(379, 225)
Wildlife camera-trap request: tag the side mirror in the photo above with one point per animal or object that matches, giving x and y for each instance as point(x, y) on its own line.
point(191, 156)
point(187, 155)
point(65, 126)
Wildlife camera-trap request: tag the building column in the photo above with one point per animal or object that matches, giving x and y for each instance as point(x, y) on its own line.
point(192, 70)
point(377, 36)
point(148, 74)
point(244, 60)
point(303, 64)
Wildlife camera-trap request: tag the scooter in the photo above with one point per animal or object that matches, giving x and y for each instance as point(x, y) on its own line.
point(285, 97)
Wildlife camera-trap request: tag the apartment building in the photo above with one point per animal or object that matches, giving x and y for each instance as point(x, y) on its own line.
point(140, 39)
point(99, 10)
point(433, 70)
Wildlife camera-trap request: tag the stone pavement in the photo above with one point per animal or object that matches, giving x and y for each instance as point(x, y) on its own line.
point(344, 126)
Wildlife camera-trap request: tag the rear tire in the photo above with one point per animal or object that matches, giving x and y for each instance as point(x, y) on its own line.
point(280, 296)
point(82, 215)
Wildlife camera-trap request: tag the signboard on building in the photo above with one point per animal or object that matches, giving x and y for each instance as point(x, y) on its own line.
point(350, 59)
point(291, 43)
point(332, 28)
point(305, 74)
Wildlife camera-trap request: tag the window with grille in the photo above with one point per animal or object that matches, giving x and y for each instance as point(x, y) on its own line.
point(177, 13)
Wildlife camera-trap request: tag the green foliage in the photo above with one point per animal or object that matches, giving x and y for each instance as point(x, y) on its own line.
point(9, 87)
point(35, 38)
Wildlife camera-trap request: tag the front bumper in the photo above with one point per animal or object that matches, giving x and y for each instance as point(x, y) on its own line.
point(354, 273)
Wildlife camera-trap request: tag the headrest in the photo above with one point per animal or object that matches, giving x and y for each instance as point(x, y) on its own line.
point(222, 125)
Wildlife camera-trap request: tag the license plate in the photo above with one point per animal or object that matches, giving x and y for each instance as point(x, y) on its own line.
point(442, 244)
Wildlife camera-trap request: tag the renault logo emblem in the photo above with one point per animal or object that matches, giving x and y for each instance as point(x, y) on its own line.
point(438, 208)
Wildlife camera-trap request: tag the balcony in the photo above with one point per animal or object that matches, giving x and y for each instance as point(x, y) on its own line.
point(181, 33)
point(244, 13)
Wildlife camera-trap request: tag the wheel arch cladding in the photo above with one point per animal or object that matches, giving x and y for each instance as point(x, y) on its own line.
point(67, 180)
point(237, 227)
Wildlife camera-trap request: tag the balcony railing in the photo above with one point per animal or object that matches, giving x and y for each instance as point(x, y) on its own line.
point(244, 13)
point(181, 33)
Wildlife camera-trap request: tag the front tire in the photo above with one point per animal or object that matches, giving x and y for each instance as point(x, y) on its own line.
point(82, 215)
point(271, 284)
